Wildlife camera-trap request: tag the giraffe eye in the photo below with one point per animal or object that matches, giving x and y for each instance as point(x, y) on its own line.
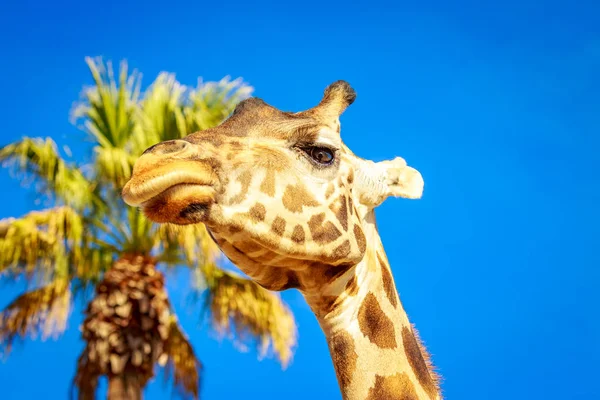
point(322, 155)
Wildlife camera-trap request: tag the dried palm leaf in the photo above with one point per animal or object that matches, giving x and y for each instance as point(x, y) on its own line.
point(181, 363)
point(42, 311)
point(245, 312)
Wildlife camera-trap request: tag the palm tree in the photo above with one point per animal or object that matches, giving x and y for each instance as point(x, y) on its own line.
point(89, 239)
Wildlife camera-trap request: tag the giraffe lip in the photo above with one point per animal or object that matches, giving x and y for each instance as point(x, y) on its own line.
point(179, 190)
point(142, 189)
point(180, 204)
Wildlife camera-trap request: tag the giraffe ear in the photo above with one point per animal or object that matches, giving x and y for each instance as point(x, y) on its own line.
point(402, 180)
point(378, 181)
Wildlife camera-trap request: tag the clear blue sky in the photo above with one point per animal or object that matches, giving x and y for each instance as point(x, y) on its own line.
point(497, 105)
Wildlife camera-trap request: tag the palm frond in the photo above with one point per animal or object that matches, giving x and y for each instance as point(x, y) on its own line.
point(94, 262)
point(108, 110)
point(76, 243)
point(138, 238)
point(44, 310)
point(37, 160)
point(193, 241)
point(182, 365)
point(211, 102)
point(108, 107)
point(114, 164)
point(42, 241)
point(160, 115)
point(246, 313)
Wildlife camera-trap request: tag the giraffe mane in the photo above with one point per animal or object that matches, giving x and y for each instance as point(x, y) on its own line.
point(433, 370)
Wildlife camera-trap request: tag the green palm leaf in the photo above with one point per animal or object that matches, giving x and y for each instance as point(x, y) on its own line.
point(37, 160)
point(210, 103)
point(160, 116)
point(76, 244)
point(42, 242)
point(107, 108)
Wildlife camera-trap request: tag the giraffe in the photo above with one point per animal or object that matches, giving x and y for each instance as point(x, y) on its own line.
point(289, 204)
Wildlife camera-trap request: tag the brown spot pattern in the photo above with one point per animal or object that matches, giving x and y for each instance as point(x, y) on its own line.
point(417, 361)
point(266, 156)
point(327, 304)
point(375, 325)
point(215, 140)
point(233, 229)
point(257, 212)
point(340, 209)
point(268, 184)
point(352, 286)
point(394, 387)
point(322, 233)
point(278, 226)
point(214, 162)
point(334, 272)
point(341, 251)
point(351, 176)
point(344, 358)
point(298, 234)
point(361, 241)
point(244, 179)
point(296, 196)
point(388, 282)
point(329, 191)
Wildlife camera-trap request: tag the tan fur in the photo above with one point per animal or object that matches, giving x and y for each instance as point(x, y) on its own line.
point(289, 222)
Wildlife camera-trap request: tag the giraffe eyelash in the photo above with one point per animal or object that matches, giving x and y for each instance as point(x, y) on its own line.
point(305, 150)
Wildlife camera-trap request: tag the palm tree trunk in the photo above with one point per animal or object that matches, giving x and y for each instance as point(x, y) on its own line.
point(122, 388)
point(125, 327)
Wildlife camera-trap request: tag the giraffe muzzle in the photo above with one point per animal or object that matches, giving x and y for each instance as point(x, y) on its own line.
point(181, 204)
point(177, 191)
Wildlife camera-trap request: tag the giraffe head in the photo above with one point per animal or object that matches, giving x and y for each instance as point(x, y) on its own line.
point(279, 192)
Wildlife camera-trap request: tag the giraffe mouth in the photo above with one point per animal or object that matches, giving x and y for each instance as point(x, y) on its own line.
point(177, 193)
point(181, 204)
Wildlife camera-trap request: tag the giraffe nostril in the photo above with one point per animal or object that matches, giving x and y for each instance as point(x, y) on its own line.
point(168, 147)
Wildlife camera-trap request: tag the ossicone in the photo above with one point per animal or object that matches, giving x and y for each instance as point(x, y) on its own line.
point(336, 98)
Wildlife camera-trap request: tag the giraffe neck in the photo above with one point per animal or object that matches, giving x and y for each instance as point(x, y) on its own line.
point(375, 351)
